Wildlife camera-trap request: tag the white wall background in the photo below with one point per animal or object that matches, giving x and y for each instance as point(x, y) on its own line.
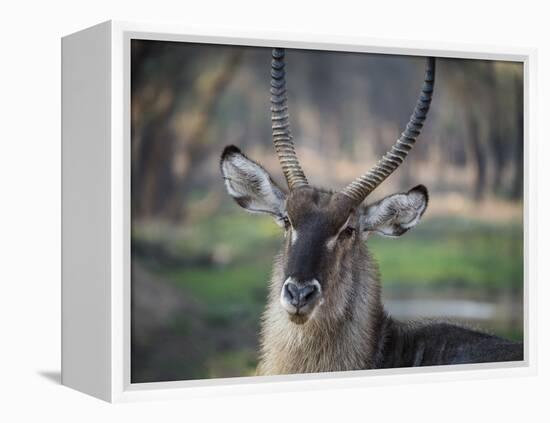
point(30, 207)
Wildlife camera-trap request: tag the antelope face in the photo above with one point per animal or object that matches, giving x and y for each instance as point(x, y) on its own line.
point(322, 230)
point(318, 229)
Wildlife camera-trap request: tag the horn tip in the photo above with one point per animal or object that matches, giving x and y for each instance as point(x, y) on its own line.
point(430, 64)
point(278, 53)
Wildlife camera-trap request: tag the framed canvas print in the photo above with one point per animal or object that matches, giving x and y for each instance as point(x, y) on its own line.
point(261, 212)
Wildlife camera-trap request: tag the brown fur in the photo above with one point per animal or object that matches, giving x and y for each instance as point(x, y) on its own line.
point(342, 334)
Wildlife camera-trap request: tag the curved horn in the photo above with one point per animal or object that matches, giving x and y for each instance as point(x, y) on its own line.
point(366, 183)
point(280, 125)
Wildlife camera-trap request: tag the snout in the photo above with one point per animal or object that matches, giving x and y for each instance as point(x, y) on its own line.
point(300, 298)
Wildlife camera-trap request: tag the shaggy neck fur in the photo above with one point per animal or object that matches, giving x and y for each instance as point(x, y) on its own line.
point(344, 332)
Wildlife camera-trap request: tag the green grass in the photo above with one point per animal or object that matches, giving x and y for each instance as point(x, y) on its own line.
point(242, 283)
point(447, 252)
point(241, 233)
point(439, 253)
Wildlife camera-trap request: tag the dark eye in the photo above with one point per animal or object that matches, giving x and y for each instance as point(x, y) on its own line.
point(348, 231)
point(286, 222)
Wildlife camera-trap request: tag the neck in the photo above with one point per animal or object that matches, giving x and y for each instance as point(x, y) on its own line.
point(335, 338)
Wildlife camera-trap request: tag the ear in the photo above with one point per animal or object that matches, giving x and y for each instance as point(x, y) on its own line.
point(395, 214)
point(250, 185)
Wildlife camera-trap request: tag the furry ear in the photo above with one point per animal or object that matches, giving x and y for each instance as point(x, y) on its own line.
point(396, 214)
point(250, 185)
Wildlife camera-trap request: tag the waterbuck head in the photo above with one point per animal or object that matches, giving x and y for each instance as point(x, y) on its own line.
point(324, 230)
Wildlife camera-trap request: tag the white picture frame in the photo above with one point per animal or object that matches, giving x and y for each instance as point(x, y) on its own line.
point(96, 214)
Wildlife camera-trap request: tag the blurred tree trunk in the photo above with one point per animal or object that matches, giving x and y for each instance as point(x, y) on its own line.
point(495, 139)
point(153, 178)
point(322, 86)
point(157, 189)
point(195, 148)
point(157, 82)
point(517, 186)
point(152, 141)
point(478, 154)
point(497, 150)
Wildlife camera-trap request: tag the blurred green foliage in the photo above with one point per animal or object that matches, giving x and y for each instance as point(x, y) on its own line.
point(441, 252)
point(241, 283)
point(453, 252)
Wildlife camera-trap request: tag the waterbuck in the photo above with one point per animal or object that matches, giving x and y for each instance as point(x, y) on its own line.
point(324, 311)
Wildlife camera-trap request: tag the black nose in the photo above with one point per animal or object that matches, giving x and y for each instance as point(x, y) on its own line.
point(300, 295)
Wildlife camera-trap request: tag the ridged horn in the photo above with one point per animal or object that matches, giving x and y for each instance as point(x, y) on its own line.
point(280, 125)
point(366, 183)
